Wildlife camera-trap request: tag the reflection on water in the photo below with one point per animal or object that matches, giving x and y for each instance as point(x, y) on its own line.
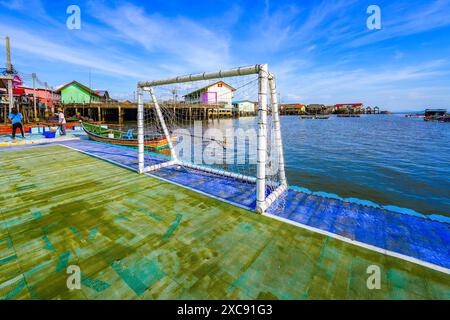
point(386, 159)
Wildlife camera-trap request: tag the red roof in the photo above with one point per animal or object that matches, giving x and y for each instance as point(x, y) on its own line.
point(18, 91)
point(210, 85)
point(349, 104)
point(37, 89)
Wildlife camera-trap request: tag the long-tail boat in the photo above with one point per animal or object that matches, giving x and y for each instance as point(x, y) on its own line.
point(104, 134)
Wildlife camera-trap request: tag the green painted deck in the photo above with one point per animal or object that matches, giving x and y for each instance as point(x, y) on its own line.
point(135, 237)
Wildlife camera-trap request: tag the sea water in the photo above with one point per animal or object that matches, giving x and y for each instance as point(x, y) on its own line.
point(386, 159)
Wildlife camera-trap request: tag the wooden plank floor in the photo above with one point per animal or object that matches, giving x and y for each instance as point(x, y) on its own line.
point(135, 237)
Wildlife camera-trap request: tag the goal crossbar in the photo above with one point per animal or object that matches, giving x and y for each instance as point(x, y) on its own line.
point(241, 71)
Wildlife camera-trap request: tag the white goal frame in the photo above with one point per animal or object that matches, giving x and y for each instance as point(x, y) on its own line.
point(267, 85)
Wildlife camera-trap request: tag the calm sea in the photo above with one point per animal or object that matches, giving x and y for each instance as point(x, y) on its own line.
point(387, 159)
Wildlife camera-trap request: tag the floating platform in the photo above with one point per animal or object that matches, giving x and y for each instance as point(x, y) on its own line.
point(136, 236)
point(419, 239)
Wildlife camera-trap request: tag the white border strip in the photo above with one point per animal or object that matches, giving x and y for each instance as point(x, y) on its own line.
point(361, 244)
point(297, 224)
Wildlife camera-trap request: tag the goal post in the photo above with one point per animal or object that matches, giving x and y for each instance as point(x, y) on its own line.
point(268, 185)
point(140, 127)
point(262, 139)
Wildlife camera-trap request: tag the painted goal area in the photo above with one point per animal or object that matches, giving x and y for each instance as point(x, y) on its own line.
point(189, 122)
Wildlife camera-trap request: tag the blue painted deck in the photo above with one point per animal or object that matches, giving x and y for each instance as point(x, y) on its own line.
point(413, 236)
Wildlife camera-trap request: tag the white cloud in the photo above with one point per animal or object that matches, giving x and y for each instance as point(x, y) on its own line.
point(413, 20)
point(182, 39)
point(44, 47)
point(13, 4)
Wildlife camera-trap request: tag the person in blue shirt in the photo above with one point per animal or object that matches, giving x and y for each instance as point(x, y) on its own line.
point(16, 119)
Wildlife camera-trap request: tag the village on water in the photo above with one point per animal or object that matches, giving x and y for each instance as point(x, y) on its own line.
point(216, 185)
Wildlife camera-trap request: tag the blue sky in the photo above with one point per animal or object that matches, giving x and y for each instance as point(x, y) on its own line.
point(321, 51)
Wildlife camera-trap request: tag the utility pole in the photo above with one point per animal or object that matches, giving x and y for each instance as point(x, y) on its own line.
point(46, 98)
point(10, 71)
point(90, 88)
point(51, 98)
point(174, 93)
point(34, 96)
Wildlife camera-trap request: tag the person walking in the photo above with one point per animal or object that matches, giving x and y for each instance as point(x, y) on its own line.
point(16, 119)
point(62, 121)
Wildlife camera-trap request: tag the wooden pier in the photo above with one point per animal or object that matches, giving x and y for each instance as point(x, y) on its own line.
point(126, 111)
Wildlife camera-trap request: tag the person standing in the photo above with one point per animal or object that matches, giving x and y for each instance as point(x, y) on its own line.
point(62, 121)
point(16, 119)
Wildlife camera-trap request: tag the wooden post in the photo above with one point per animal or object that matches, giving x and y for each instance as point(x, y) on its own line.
point(120, 115)
point(34, 97)
point(9, 70)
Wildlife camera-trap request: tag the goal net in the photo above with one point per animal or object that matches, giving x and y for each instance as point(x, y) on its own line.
point(220, 129)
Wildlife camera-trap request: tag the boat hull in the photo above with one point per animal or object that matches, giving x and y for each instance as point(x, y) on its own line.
point(154, 144)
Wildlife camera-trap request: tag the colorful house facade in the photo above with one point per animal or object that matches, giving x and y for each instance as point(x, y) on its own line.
point(75, 92)
point(218, 93)
point(244, 106)
point(45, 96)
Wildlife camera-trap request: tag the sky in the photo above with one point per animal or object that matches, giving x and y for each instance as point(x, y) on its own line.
point(320, 51)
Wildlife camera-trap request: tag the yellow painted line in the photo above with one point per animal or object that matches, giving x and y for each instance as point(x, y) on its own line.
point(39, 141)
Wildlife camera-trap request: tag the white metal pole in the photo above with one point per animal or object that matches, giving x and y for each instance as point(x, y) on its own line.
point(277, 128)
point(163, 124)
point(140, 125)
point(262, 140)
point(34, 96)
point(241, 71)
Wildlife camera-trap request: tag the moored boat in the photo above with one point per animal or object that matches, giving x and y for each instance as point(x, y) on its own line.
point(438, 115)
point(315, 117)
point(445, 118)
point(107, 135)
point(348, 115)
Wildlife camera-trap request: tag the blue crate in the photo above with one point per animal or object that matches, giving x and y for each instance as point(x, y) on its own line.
point(50, 134)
